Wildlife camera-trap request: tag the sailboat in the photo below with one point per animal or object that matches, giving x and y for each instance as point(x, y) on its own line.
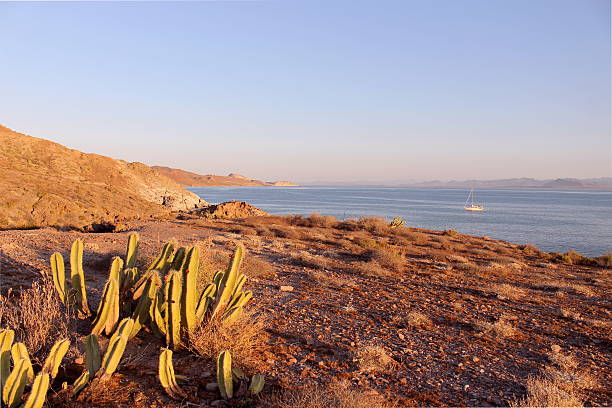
point(472, 206)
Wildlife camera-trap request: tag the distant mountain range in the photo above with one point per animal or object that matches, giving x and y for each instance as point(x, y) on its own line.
point(189, 179)
point(601, 183)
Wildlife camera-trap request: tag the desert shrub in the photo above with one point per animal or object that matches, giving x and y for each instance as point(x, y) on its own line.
point(307, 260)
point(451, 233)
point(38, 318)
point(340, 394)
point(605, 260)
point(574, 258)
point(387, 257)
point(375, 225)
point(348, 225)
point(288, 232)
point(374, 358)
point(372, 268)
point(546, 392)
point(257, 268)
point(506, 291)
point(529, 249)
point(322, 221)
point(245, 339)
point(414, 320)
point(500, 328)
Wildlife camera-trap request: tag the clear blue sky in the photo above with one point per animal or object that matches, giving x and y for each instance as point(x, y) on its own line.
point(318, 90)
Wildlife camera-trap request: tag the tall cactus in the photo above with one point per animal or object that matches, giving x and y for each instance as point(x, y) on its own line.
point(142, 312)
point(20, 352)
point(6, 342)
point(257, 383)
point(108, 309)
point(115, 349)
point(224, 374)
point(54, 359)
point(92, 363)
point(167, 377)
point(58, 271)
point(189, 296)
point(37, 396)
point(15, 384)
point(132, 250)
point(228, 282)
point(77, 277)
point(164, 260)
point(172, 318)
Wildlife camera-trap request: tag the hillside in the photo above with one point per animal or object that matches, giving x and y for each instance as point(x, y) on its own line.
point(46, 184)
point(189, 179)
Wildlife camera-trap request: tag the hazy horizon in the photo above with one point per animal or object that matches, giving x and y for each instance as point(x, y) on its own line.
point(341, 91)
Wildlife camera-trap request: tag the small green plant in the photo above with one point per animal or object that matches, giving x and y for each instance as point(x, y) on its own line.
point(397, 222)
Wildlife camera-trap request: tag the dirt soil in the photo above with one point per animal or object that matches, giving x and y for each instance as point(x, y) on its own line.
point(428, 298)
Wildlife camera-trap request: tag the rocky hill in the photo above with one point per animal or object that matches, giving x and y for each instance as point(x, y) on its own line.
point(189, 179)
point(43, 183)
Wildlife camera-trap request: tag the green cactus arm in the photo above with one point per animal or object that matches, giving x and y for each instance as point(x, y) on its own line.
point(240, 299)
point(110, 292)
point(167, 377)
point(155, 314)
point(132, 250)
point(19, 352)
point(224, 374)
point(239, 284)
point(58, 271)
point(37, 396)
point(116, 348)
point(80, 382)
point(228, 282)
point(172, 316)
point(189, 292)
point(116, 269)
point(54, 359)
point(257, 383)
point(231, 315)
point(15, 383)
point(163, 261)
point(142, 312)
point(205, 301)
point(6, 342)
point(92, 354)
point(178, 260)
point(77, 277)
point(138, 287)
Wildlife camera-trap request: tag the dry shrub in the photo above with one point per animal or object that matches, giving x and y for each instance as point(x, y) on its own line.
point(372, 268)
point(414, 320)
point(375, 225)
point(569, 314)
point(387, 257)
point(257, 268)
point(467, 267)
point(500, 328)
point(335, 395)
point(322, 221)
point(212, 261)
point(288, 232)
point(546, 392)
point(506, 291)
point(605, 260)
point(581, 290)
point(330, 279)
point(38, 318)
point(244, 339)
point(574, 258)
point(374, 358)
point(457, 259)
point(529, 249)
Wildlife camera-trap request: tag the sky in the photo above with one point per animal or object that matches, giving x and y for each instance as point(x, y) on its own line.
point(318, 90)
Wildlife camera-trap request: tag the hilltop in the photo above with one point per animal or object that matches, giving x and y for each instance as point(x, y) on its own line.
point(189, 179)
point(46, 184)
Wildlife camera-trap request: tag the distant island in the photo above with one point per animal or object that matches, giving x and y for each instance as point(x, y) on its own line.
point(189, 179)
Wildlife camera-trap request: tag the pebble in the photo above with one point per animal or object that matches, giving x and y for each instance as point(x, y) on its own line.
point(212, 386)
point(286, 288)
point(555, 348)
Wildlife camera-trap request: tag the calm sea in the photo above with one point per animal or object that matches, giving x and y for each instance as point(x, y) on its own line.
point(552, 220)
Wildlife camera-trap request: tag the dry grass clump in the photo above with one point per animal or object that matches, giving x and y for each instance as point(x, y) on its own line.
point(569, 314)
point(581, 289)
point(546, 392)
point(308, 260)
point(605, 260)
point(506, 291)
point(375, 225)
point(285, 232)
point(374, 358)
point(257, 268)
point(338, 394)
point(387, 257)
point(330, 279)
point(38, 318)
point(313, 220)
point(500, 328)
point(244, 339)
point(414, 320)
point(574, 258)
point(372, 268)
point(457, 259)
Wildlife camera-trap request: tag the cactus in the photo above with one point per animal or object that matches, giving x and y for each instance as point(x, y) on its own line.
point(6, 341)
point(92, 354)
point(142, 312)
point(80, 382)
point(59, 276)
point(228, 282)
point(138, 287)
point(132, 251)
point(108, 309)
point(115, 349)
point(54, 359)
point(163, 262)
point(77, 278)
point(15, 383)
point(167, 377)
point(172, 317)
point(257, 383)
point(189, 292)
point(37, 396)
point(19, 352)
point(178, 260)
point(116, 270)
point(224, 374)
point(206, 300)
point(397, 222)
point(155, 314)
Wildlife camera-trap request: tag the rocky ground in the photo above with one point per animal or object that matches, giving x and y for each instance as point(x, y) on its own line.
point(416, 317)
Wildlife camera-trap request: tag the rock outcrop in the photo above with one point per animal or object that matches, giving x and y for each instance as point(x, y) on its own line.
point(189, 179)
point(43, 183)
point(230, 210)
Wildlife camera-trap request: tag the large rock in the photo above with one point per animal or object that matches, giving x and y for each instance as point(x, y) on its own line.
point(230, 209)
point(46, 184)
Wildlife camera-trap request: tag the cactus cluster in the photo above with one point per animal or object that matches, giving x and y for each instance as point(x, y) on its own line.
point(14, 381)
point(227, 375)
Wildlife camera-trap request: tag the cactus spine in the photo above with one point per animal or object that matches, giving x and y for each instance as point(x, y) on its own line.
point(59, 276)
point(189, 293)
point(19, 352)
point(107, 315)
point(77, 278)
point(167, 377)
point(54, 359)
point(115, 349)
point(228, 282)
point(224, 374)
point(172, 318)
point(37, 396)
point(6, 341)
point(132, 250)
point(15, 383)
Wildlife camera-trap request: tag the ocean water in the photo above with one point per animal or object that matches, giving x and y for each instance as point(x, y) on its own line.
point(552, 220)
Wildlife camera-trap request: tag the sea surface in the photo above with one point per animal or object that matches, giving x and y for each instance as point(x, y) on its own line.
point(552, 220)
